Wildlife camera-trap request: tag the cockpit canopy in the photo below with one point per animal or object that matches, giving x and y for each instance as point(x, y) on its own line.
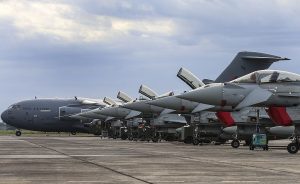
point(268, 76)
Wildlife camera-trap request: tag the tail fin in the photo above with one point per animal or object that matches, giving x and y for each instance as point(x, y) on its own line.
point(124, 97)
point(247, 62)
point(148, 92)
point(189, 78)
point(109, 101)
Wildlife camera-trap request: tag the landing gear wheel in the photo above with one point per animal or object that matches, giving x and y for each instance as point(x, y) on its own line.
point(266, 148)
point(196, 142)
point(73, 133)
point(235, 143)
point(251, 147)
point(124, 136)
point(293, 148)
point(155, 139)
point(18, 133)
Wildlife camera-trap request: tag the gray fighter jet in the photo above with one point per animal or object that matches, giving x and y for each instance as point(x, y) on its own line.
point(273, 89)
point(254, 61)
point(50, 115)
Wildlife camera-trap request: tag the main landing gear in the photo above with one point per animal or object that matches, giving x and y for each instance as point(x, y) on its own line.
point(18, 133)
point(293, 147)
point(235, 143)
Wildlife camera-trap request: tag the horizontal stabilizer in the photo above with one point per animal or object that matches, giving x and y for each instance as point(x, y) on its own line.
point(146, 91)
point(202, 107)
point(262, 58)
point(257, 96)
point(133, 114)
point(189, 78)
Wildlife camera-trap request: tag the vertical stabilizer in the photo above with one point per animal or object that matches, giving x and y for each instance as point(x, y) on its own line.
point(247, 62)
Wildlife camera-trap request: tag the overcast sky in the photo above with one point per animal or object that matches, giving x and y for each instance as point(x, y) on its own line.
point(94, 48)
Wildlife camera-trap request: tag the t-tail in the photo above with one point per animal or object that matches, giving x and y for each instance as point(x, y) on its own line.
point(247, 62)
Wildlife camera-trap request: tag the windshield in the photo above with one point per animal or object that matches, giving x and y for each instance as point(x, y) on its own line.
point(17, 107)
point(250, 78)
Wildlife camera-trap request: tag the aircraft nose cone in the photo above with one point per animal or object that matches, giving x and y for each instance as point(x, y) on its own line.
point(4, 116)
point(167, 102)
point(210, 94)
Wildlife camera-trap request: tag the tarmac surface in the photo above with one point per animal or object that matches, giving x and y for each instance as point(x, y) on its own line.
point(92, 160)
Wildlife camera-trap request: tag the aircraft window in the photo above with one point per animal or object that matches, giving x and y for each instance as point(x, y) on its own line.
point(16, 107)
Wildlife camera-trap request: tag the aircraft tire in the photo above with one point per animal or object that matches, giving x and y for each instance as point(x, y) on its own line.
point(18, 133)
point(293, 148)
point(196, 142)
point(155, 139)
point(73, 133)
point(124, 136)
point(235, 143)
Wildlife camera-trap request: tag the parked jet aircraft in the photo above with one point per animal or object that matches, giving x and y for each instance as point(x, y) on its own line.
point(49, 115)
point(190, 107)
point(273, 89)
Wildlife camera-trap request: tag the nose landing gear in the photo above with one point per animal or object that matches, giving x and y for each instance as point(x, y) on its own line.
point(18, 133)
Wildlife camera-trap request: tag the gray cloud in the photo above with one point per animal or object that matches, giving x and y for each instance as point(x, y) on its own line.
point(95, 48)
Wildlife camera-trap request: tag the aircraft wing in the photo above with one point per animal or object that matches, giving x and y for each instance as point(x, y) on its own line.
point(202, 107)
point(133, 114)
point(172, 118)
point(167, 111)
point(258, 95)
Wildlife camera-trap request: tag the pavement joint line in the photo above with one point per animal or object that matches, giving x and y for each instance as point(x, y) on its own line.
point(220, 162)
point(199, 160)
point(89, 162)
point(153, 153)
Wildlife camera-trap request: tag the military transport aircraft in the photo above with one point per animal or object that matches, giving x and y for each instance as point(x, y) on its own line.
point(276, 90)
point(50, 115)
